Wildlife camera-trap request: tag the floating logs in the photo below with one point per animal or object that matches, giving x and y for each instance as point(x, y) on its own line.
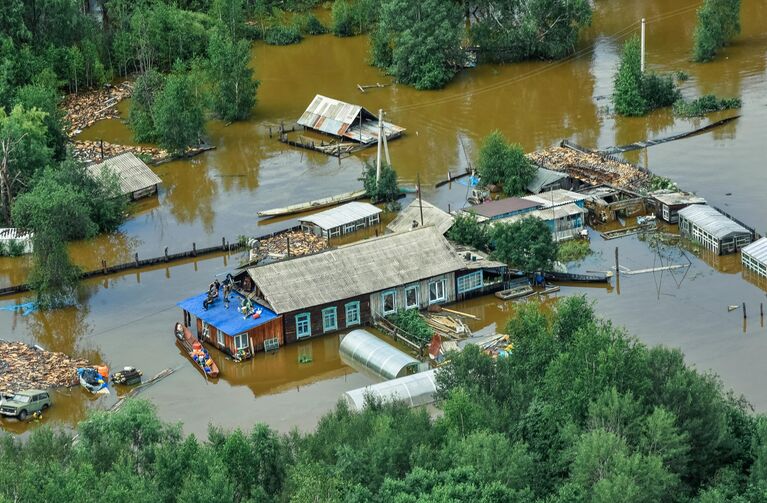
point(23, 366)
point(83, 109)
point(91, 151)
point(300, 243)
point(592, 168)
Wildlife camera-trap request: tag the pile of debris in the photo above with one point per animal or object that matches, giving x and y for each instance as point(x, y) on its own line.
point(23, 366)
point(82, 110)
point(91, 151)
point(447, 326)
point(276, 247)
point(591, 168)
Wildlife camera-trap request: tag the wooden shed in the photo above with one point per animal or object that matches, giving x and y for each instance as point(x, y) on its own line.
point(137, 180)
point(668, 203)
point(345, 120)
point(712, 229)
point(342, 219)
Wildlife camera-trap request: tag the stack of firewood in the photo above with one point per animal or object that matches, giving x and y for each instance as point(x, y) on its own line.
point(24, 366)
point(301, 243)
point(90, 151)
point(590, 167)
point(83, 109)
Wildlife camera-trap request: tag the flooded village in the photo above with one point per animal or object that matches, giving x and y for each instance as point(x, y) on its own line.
point(263, 257)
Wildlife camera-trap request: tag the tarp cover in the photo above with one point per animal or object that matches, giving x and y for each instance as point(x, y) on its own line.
point(229, 321)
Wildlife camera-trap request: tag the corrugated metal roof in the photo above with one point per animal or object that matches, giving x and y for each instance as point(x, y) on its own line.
point(492, 209)
point(544, 177)
point(338, 118)
point(134, 174)
point(712, 221)
point(556, 197)
point(757, 250)
point(553, 213)
point(676, 198)
point(432, 215)
point(356, 269)
point(341, 215)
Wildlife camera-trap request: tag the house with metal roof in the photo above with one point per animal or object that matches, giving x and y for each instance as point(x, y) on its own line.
point(668, 203)
point(342, 219)
point(14, 241)
point(558, 197)
point(565, 221)
point(410, 218)
point(345, 120)
point(346, 287)
point(136, 179)
point(548, 179)
point(754, 257)
point(503, 208)
point(712, 229)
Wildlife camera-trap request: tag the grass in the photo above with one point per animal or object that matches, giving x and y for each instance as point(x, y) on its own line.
point(573, 250)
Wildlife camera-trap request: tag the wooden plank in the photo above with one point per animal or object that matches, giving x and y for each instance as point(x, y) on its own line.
point(459, 313)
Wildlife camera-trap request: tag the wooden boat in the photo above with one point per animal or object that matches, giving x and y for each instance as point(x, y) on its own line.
point(187, 341)
point(314, 205)
point(517, 292)
point(578, 278)
point(549, 289)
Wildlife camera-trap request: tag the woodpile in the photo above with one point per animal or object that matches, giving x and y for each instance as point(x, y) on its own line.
point(301, 243)
point(23, 366)
point(591, 168)
point(447, 326)
point(83, 109)
point(90, 151)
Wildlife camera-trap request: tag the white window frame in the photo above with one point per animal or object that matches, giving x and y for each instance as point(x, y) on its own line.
point(220, 338)
point(205, 333)
point(438, 297)
point(393, 293)
point(417, 297)
point(238, 340)
point(473, 279)
point(353, 307)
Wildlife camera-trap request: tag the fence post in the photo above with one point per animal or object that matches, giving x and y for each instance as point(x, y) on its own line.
point(135, 256)
point(166, 254)
point(223, 244)
point(194, 249)
point(104, 266)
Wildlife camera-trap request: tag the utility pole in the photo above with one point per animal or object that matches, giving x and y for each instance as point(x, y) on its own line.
point(643, 44)
point(380, 133)
point(420, 201)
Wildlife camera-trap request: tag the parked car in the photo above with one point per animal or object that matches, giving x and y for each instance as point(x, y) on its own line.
point(24, 403)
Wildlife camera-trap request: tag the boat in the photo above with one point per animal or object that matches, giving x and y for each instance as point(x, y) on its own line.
point(314, 205)
point(578, 278)
point(195, 350)
point(549, 289)
point(92, 380)
point(517, 292)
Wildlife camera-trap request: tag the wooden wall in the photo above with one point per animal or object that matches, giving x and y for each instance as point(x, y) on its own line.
point(376, 305)
point(289, 319)
point(257, 336)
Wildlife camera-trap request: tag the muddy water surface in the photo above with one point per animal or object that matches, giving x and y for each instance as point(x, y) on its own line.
point(127, 319)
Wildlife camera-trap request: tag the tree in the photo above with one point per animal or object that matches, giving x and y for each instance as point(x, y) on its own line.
point(384, 190)
point(501, 163)
point(230, 16)
point(718, 23)
point(45, 99)
point(424, 40)
point(467, 230)
point(638, 93)
point(142, 114)
point(529, 29)
point(23, 152)
point(178, 114)
point(233, 87)
point(526, 245)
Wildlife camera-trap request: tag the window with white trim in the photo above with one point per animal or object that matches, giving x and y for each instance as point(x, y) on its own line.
point(205, 331)
point(389, 302)
point(303, 325)
point(437, 291)
point(352, 313)
point(220, 338)
point(241, 341)
point(411, 297)
point(471, 281)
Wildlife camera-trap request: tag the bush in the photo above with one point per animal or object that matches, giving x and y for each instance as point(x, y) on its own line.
point(636, 93)
point(718, 23)
point(526, 245)
point(310, 25)
point(467, 230)
point(282, 35)
point(703, 105)
point(384, 191)
point(12, 248)
point(573, 250)
point(503, 163)
point(353, 17)
point(662, 183)
point(410, 321)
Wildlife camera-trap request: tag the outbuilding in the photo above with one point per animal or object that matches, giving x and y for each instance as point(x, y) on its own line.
point(375, 355)
point(754, 257)
point(712, 229)
point(136, 179)
point(411, 218)
point(342, 219)
point(548, 179)
point(668, 203)
point(413, 390)
point(565, 221)
point(503, 208)
point(14, 241)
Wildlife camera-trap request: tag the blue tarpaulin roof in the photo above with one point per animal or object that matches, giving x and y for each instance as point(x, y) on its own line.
point(229, 321)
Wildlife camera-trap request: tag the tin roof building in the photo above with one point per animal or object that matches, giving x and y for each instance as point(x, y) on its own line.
point(136, 179)
point(547, 179)
point(503, 208)
point(353, 122)
point(712, 229)
point(342, 219)
point(410, 218)
point(668, 203)
point(754, 256)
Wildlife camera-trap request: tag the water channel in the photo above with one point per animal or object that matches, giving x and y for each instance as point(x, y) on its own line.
point(127, 319)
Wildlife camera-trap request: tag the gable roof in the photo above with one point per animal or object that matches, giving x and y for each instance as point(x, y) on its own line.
point(544, 177)
point(757, 250)
point(432, 215)
point(339, 118)
point(341, 215)
point(556, 197)
point(492, 209)
point(712, 221)
point(133, 173)
point(357, 269)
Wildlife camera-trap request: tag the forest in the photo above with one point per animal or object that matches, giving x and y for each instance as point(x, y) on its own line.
point(580, 411)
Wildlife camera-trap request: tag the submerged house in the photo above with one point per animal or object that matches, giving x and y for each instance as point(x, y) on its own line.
point(712, 229)
point(342, 219)
point(348, 286)
point(754, 257)
point(136, 179)
point(548, 179)
point(410, 218)
point(668, 203)
point(565, 221)
point(503, 208)
point(346, 121)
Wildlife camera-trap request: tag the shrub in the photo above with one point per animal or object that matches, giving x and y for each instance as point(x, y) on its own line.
point(467, 230)
point(636, 93)
point(410, 321)
point(386, 190)
point(703, 105)
point(282, 35)
point(718, 23)
point(573, 250)
point(310, 25)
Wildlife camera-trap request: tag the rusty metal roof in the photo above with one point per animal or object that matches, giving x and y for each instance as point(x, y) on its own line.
point(338, 118)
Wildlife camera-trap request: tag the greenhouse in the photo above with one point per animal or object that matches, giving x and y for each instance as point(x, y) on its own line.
point(376, 355)
point(414, 390)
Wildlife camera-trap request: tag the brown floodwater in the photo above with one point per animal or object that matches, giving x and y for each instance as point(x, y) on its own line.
point(126, 319)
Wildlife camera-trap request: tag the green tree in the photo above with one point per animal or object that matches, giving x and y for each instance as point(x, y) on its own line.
point(178, 114)
point(718, 23)
point(636, 93)
point(45, 99)
point(526, 245)
point(233, 88)
point(468, 230)
point(141, 117)
point(230, 16)
point(501, 163)
point(384, 190)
